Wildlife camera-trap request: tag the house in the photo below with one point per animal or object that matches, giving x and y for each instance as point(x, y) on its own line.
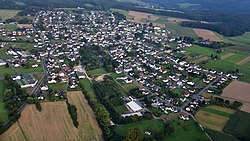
point(44, 88)
point(2, 62)
point(80, 75)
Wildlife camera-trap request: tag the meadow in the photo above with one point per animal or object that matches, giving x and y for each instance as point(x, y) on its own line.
point(7, 14)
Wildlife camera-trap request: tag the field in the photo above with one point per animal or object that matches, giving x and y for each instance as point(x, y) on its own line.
point(199, 60)
point(207, 35)
point(239, 126)
point(177, 20)
point(244, 61)
point(4, 70)
point(88, 128)
point(87, 85)
point(10, 27)
point(3, 111)
point(58, 86)
point(235, 58)
point(130, 86)
point(220, 136)
point(98, 71)
point(140, 15)
point(237, 90)
point(22, 45)
point(8, 14)
point(211, 120)
point(227, 56)
point(45, 125)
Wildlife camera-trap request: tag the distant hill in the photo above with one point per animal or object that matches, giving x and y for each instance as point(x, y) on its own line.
point(224, 6)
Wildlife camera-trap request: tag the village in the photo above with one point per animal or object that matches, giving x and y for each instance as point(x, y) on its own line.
point(143, 55)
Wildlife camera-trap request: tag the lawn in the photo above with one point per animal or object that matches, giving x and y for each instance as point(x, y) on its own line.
point(3, 111)
point(198, 50)
point(115, 75)
point(217, 112)
point(3, 53)
point(121, 109)
point(8, 14)
point(186, 130)
point(87, 85)
point(30, 70)
point(22, 45)
point(98, 71)
point(177, 91)
point(58, 86)
point(4, 70)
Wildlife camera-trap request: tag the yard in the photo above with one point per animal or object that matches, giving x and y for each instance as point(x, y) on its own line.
point(8, 14)
point(3, 111)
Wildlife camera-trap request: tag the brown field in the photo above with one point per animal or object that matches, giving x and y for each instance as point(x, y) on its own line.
point(199, 60)
point(237, 90)
point(207, 35)
point(24, 25)
point(227, 56)
point(244, 61)
point(54, 123)
point(223, 109)
point(210, 120)
point(85, 113)
point(138, 16)
point(245, 107)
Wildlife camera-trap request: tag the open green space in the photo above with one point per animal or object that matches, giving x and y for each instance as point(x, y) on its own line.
point(186, 130)
point(239, 126)
point(98, 71)
point(130, 86)
point(30, 69)
point(217, 112)
point(4, 70)
point(235, 58)
point(220, 136)
point(3, 53)
point(58, 86)
point(198, 50)
point(177, 91)
point(115, 75)
point(3, 111)
point(8, 14)
point(10, 27)
point(121, 109)
point(87, 85)
point(124, 12)
point(22, 45)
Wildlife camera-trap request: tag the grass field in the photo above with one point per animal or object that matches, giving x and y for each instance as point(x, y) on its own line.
point(3, 53)
point(10, 27)
point(186, 130)
point(220, 136)
point(98, 71)
point(58, 86)
point(217, 112)
point(88, 128)
point(235, 58)
point(87, 85)
point(3, 111)
point(22, 45)
point(30, 70)
point(8, 14)
point(130, 86)
point(239, 125)
point(46, 125)
point(4, 70)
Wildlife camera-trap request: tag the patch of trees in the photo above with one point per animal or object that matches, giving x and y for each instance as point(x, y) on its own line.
point(221, 102)
point(73, 113)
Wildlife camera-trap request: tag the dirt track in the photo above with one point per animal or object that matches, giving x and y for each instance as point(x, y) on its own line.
point(207, 34)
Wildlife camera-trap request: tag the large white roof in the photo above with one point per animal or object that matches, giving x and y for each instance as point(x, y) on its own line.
point(134, 106)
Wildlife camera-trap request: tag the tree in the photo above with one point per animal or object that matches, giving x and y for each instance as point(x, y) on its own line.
point(134, 135)
point(8, 94)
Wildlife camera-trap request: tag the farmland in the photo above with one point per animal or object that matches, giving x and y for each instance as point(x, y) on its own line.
point(8, 14)
point(3, 112)
point(4, 70)
point(239, 126)
point(35, 125)
point(88, 128)
point(30, 69)
point(58, 86)
point(207, 35)
point(213, 118)
point(87, 85)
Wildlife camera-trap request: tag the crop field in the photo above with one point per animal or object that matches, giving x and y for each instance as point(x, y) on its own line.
point(3, 111)
point(227, 56)
point(8, 14)
point(140, 15)
point(235, 58)
point(177, 20)
point(211, 120)
point(198, 50)
point(45, 125)
point(237, 90)
point(244, 61)
point(199, 60)
point(239, 126)
point(207, 35)
point(88, 128)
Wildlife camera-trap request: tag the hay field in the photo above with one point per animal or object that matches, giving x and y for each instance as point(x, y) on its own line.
point(207, 35)
point(227, 56)
point(244, 61)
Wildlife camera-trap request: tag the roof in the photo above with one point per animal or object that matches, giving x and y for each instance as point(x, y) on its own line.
point(134, 106)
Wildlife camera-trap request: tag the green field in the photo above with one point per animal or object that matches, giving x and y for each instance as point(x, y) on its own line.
point(130, 86)
point(220, 136)
point(22, 45)
point(58, 86)
point(239, 126)
point(217, 112)
point(3, 53)
point(124, 12)
point(4, 70)
point(10, 27)
point(115, 75)
point(3, 111)
point(198, 50)
point(30, 70)
point(98, 71)
point(8, 14)
point(235, 58)
point(121, 109)
point(87, 85)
